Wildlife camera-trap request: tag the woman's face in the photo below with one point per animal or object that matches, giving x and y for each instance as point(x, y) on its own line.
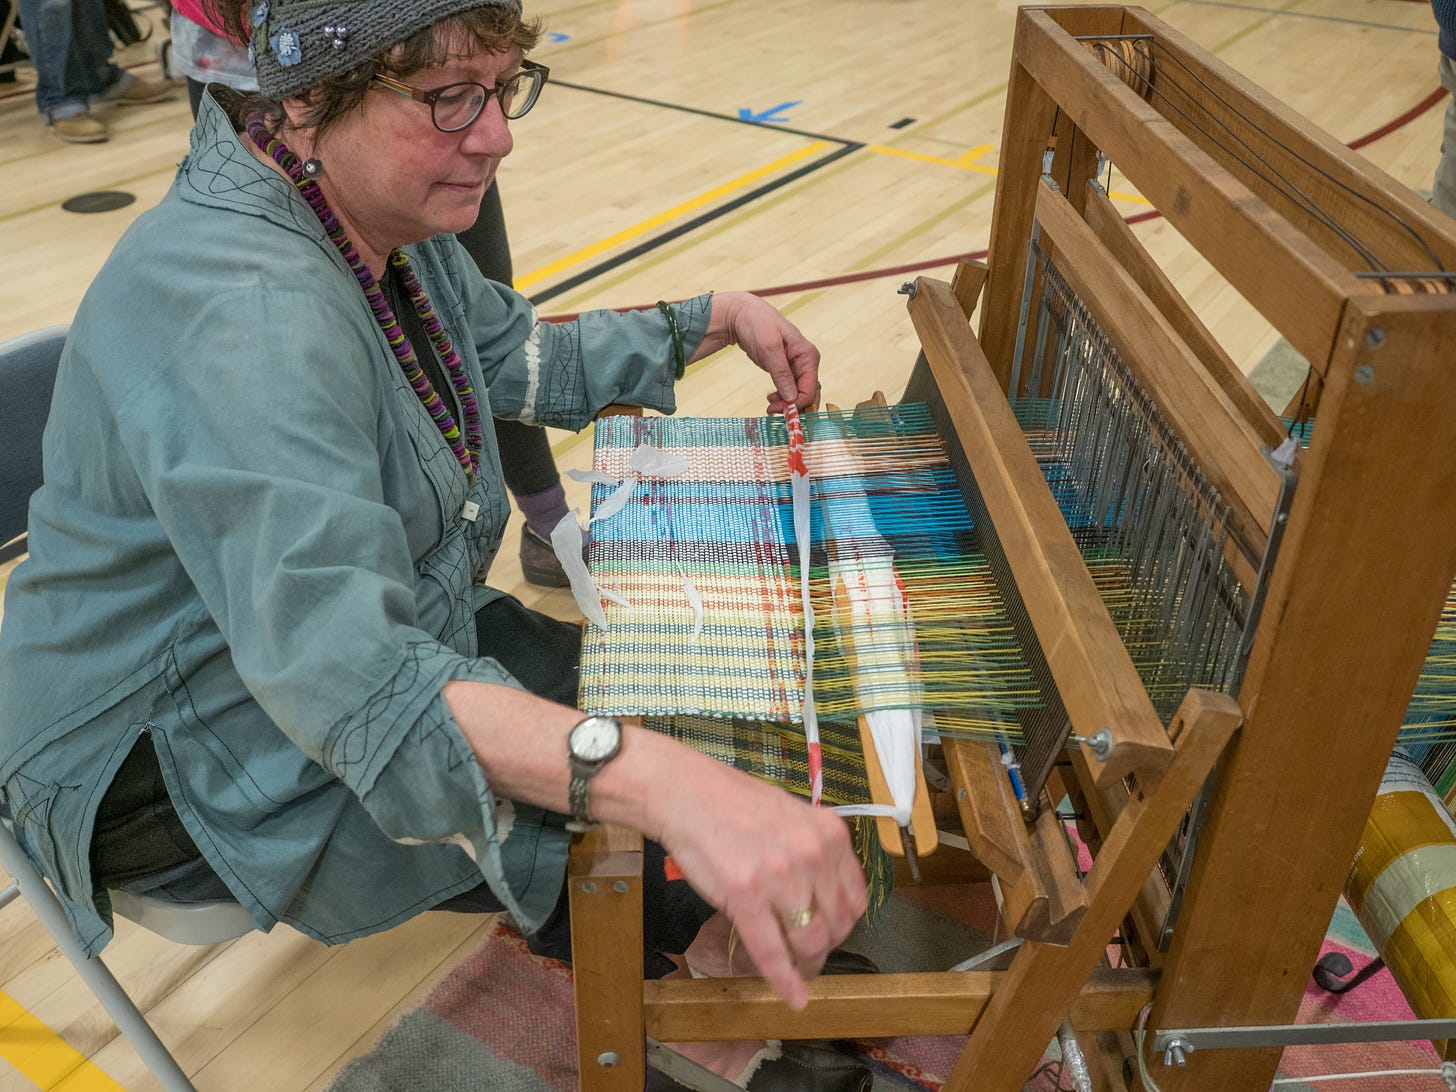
point(393, 178)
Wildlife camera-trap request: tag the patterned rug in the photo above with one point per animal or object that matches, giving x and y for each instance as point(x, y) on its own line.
point(502, 1021)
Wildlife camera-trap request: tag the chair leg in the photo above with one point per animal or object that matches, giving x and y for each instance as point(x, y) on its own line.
point(96, 975)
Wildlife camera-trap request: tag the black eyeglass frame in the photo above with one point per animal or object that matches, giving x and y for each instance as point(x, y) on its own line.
point(431, 97)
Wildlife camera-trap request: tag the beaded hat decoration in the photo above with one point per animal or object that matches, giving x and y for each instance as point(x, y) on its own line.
point(298, 44)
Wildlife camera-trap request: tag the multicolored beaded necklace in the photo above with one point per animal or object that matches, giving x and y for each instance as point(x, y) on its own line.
point(466, 448)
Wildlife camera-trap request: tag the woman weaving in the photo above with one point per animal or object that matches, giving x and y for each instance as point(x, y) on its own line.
point(247, 657)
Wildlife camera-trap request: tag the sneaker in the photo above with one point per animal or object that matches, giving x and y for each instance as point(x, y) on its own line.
point(79, 129)
point(538, 561)
point(134, 91)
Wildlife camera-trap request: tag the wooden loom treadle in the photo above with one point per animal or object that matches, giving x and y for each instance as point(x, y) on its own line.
point(1350, 607)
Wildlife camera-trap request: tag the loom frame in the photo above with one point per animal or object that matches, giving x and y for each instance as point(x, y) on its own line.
point(1335, 658)
point(1347, 618)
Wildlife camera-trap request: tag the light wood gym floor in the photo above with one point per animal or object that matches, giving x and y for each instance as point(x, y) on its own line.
point(634, 180)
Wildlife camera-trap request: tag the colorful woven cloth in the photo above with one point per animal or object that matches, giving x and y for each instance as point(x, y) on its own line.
point(906, 614)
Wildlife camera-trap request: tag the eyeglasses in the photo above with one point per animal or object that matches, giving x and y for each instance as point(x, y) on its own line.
point(456, 106)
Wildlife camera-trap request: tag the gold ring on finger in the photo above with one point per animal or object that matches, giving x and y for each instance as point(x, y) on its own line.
point(798, 919)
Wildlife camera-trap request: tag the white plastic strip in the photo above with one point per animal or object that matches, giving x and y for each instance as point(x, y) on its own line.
point(566, 540)
point(800, 493)
point(653, 462)
point(695, 601)
point(896, 734)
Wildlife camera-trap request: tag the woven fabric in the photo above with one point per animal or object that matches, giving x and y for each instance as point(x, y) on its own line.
point(776, 752)
point(906, 614)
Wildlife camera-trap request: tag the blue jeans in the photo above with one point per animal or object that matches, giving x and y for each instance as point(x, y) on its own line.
point(1443, 189)
point(71, 48)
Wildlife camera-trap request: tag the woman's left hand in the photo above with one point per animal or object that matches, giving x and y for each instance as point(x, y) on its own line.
point(771, 341)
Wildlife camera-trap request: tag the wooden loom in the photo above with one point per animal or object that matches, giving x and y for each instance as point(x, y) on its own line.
point(1349, 605)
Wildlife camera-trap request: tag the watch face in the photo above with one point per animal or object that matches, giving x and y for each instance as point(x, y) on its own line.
point(595, 739)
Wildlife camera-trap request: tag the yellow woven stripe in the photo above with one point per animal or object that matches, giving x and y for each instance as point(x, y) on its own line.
point(1399, 823)
point(43, 1057)
point(1421, 954)
point(1411, 880)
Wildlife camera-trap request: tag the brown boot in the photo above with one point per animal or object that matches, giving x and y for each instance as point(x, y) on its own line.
point(134, 91)
point(79, 129)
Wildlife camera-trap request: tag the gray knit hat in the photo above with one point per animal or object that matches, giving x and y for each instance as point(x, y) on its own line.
point(297, 44)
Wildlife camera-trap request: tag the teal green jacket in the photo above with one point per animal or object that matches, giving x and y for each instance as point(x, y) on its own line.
point(252, 546)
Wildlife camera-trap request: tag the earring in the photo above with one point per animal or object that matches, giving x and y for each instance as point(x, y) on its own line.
point(312, 168)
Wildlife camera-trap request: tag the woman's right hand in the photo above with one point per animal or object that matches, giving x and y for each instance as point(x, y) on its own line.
point(763, 856)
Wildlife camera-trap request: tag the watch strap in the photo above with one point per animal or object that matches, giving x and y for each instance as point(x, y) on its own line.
point(579, 797)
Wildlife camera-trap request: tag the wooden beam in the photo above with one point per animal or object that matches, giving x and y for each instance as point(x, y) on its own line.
point(1099, 685)
point(991, 820)
point(1364, 571)
point(874, 1006)
point(1295, 284)
point(1114, 234)
point(969, 279)
point(1024, 133)
point(1150, 909)
point(1023, 1016)
point(1042, 896)
point(1270, 142)
point(1223, 442)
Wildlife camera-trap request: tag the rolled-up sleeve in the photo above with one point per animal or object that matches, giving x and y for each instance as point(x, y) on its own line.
point(563, 373)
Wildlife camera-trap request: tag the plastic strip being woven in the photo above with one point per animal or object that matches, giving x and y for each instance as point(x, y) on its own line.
point(885, 503)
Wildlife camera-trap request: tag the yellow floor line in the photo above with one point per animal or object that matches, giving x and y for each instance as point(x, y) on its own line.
point(966, 162)
point(42, 1056)
point(536, 276)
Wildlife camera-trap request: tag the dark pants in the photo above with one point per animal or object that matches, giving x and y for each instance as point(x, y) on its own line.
point(141, 846)
point(525, 450)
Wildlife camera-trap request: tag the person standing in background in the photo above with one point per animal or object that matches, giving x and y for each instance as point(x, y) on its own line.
point(1443, 190)
point(70, 46)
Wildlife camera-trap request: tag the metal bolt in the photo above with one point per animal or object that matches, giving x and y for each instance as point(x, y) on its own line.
point(1177, 1052)
point(961, 795)
point(620, 887)
point(607, 1059)
point(1100, 743)
point(590, 887)
point(1374, 336)
point(1364, 373)
point(908, 289)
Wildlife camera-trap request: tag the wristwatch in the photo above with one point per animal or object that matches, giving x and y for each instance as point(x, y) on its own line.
point(592, 743)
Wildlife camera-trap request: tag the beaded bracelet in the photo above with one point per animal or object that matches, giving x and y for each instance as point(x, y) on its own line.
point(677, 339)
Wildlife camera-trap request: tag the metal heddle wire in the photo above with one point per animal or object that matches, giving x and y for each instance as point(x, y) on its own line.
point(1150, 527)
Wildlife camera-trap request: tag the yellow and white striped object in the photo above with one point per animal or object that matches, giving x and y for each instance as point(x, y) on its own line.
point(1402, 888)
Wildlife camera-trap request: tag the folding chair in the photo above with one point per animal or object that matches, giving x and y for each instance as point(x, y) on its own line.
point(27, 376)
